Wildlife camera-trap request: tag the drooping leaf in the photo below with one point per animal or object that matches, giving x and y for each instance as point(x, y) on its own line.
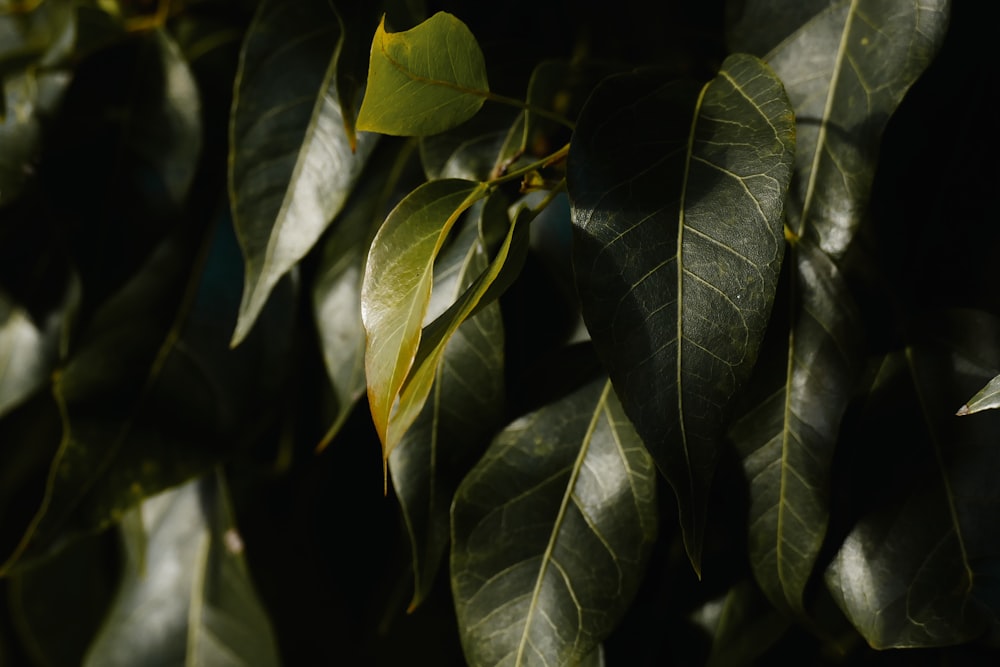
point(846, 65)
point(919, 567)
point(550, 533)
point(742, 624)
point(677, 200)
point(152, 396)
point(188, 599)
point(788, 434)
point(291, 164)
point(397, 288)
point(987, 398)
point(465, 407)
point(424, 80)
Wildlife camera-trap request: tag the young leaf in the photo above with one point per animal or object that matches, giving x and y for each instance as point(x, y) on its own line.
point(846, 65)
point(397, 287)
point(424, 80)
point(550, 533)
point(291, 164)
point(987, 398)
point(677, 200)
point(455, 423)
point(186, 598)
point(787, 437)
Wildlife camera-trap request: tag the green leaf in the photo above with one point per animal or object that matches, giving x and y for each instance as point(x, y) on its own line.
point(787, 437)
point(397, 289)
point(919, 566)
point(424, 80)
point(188, 599)
point(986, 398)
point(743, 626)
point(677, 200)
point(550, 533)
point(291, 164)
point(455, 423)
point(846, 65)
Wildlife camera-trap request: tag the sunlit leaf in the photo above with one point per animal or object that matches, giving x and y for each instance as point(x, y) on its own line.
point(397, 288)
point(455, 423)
point(787, 437)
point(291, 164)
point(677, 199)
point(987, 398)
point(188, 598)
point(919, 568)
point(424, 80)
point(846, 65)
point(550, 533)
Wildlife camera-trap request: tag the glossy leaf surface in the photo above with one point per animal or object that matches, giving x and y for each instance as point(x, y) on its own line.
point(677, 199)
point(987, 398)
point(291, 163)
point(550, 532)
point(458, 417)
point(846, 65)
point(186, 597)
point(919, 567)
point(397, 288)
point(424, 80)
point(787, 438)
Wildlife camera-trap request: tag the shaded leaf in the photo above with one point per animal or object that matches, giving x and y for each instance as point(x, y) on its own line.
point(550, 533)
point(846, 65)
point(291, 163)
point(188, 598)
point(743, 626)
point(677, 200)
point(986, 398)
point(397, 289)
point(787, 437)
point(424, 80)
point(919, 568)
point(454, 425)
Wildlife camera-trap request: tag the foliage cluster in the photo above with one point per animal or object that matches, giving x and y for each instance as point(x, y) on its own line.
point(533, 333)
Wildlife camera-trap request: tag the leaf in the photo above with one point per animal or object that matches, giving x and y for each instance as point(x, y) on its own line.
point(194, 602)
point(397, 287)
point(787, 438)
point(291, 164)
point(986, 398)
point(743, 626)
point(454, 425)
point(677, 202)
point(919, 566)
point(550, 533)
point(424, 80)
point(846, 65)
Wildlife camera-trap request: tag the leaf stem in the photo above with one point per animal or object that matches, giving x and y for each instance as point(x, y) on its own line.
point(534, 166)
point(531, 108)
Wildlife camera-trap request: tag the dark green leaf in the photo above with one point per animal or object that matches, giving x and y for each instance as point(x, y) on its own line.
point(187, 599)
point(987, 398)
point(846, 65)
point(677, 207)
point(743, 626)
point(919, 567)
point(424, 80)
point(397, 289)
point(550, 533)
point(464, 409)
point(787, 437)
point(291, 162)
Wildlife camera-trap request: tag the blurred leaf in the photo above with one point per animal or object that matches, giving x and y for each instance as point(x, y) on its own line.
point(846, 65)
point(550, 533)
point(42, 36)
point(152, 396)
point(424, 80)
point(193, 602)
point(677, 200)
point(743, 626)
point(986, 398)
point(920, 567)
point(787, 437)
point(454, 425)
point(291, 163)
point(397, 289)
